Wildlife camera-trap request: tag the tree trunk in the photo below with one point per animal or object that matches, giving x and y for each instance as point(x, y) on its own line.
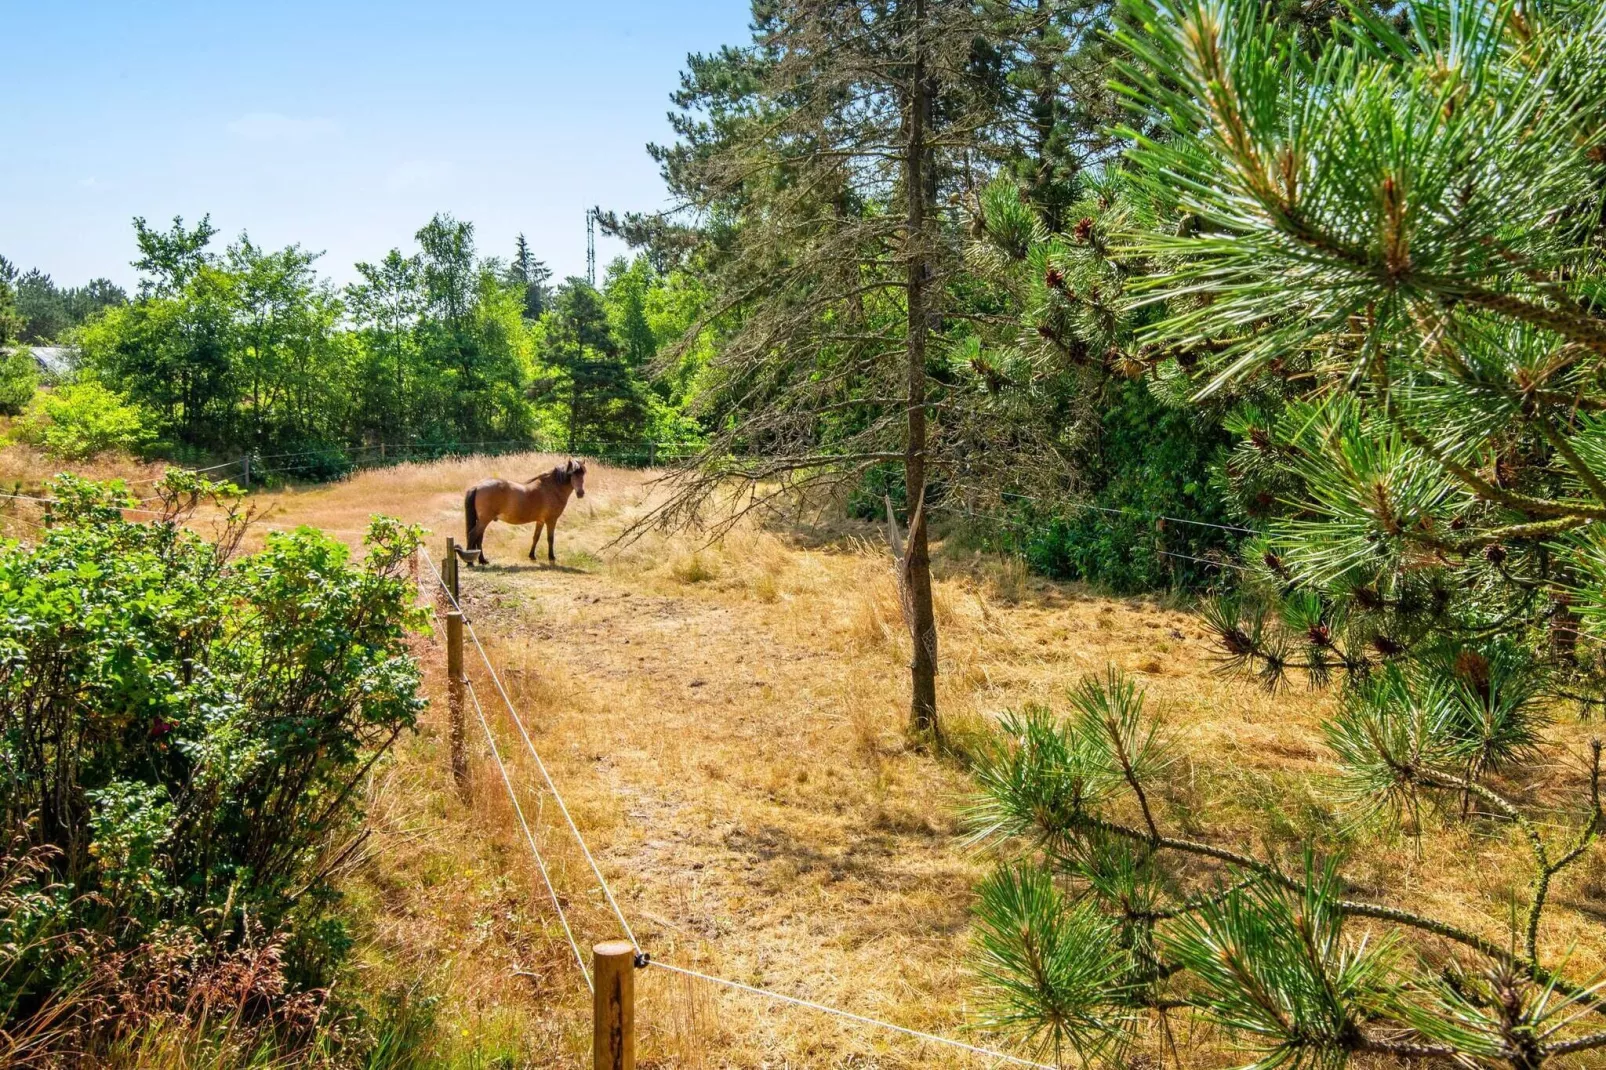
point(917, 560)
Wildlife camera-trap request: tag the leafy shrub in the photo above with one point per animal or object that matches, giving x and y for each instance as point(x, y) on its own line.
point(82, 419)
point(19, 379)
point(1152, 462)
point(182, 731)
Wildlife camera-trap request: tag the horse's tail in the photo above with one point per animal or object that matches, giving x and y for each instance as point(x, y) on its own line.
point(472, 517)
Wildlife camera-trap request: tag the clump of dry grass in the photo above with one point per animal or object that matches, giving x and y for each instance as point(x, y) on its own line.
point(692, 568)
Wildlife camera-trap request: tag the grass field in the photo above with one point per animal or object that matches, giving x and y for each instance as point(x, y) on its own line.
point(725, 722)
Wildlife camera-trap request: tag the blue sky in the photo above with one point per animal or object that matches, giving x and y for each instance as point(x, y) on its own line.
point(340, 125)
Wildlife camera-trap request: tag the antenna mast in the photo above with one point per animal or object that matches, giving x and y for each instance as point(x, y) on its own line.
point(591, 246)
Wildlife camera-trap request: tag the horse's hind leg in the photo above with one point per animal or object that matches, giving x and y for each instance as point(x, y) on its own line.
point(536, 541)
point(476, 541)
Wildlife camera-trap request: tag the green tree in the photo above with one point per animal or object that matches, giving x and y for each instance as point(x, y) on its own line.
point(171, 351)
point(1401, 227)
point(10, 319)
point(169, 261)
point(602, 399)
point(822, 159)
point(625, 288)
point(468, 342)
point(49, 311)
point(19, 379)
point(532, 276)
point(77, 421)
point(386, 305)
point(283, 350)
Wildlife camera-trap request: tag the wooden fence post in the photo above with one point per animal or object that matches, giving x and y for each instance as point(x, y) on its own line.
point(613, 1006)
point(245, 463)
point(454, 695)
point(451, 568)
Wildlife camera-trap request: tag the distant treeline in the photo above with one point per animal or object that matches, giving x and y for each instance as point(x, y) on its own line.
point(46, 311)
point(244, 348)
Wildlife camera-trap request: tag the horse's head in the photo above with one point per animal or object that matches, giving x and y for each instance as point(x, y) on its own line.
point(573, 472)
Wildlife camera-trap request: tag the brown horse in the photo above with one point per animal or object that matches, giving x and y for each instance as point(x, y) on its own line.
point(540, 501)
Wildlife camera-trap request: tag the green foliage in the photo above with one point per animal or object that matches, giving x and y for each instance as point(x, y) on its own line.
point(530, 275)
point(19, 379)
point(80, 420)
point(182, 731)
point(1152, 461)
point(50, 312)
point(249, 349)
point(10, 320)
point(1399, 228)
point(1130, 448)
point(1052, 965)
point(1276, 964)
point(594, 384)
point(1101, 915)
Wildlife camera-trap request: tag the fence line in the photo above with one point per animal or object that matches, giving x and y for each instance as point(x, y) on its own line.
point(1140, 514)
point(827, 1009)
point(650, 450)
point(529, 838)
point(557, 796)
point(644, 960)
point(1022, 525)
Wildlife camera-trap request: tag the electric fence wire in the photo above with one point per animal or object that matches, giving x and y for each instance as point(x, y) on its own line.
point(518, 721)
point(1018, 524)
point(643, 960)
point(1138, 513)
point(850, 1016)
point(185, 471)
point(518, 811)
point(529, 837)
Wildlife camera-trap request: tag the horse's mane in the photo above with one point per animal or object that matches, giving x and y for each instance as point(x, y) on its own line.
point(560, 474)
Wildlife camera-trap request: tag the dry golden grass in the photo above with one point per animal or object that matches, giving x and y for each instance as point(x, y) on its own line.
point(725, 722)
point(26, 471)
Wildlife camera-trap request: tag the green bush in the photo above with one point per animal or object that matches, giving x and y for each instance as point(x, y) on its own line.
point(1150, 461)
point(19, 379)
point(182, 733)
point(79, 420)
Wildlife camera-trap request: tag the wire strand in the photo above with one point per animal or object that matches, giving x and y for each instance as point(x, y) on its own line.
point(1023, 525)
point(862, 1019)
point(529, 837)
point(607, 892)
point(557, 796)
point(1115, 510)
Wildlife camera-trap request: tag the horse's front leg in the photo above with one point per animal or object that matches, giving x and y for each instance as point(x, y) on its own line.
point(552, 526)
point(536, 541)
